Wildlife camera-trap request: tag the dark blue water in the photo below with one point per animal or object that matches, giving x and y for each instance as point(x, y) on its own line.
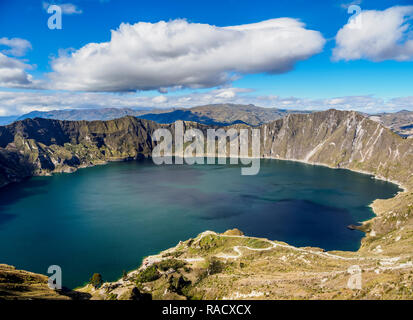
point(107, 218)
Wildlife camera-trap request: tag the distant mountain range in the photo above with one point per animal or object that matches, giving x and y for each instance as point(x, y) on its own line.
point(221, 114)
point(217, 114)
point(85, 114)
point(400, 122)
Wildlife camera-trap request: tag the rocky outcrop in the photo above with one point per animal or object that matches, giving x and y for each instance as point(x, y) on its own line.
point(40, 146)
point(340, 139)
point(44, 146)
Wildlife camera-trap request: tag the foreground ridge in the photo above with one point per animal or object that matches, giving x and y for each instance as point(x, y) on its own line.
point(207, 268)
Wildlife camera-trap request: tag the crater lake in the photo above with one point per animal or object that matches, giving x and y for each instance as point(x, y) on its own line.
point(106, 219)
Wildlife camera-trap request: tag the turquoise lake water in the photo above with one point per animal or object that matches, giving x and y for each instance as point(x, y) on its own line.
point(107, 218)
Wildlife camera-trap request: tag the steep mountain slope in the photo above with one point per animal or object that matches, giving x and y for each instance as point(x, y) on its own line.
point(342, 140)
point(335, 138)
point(43, 146)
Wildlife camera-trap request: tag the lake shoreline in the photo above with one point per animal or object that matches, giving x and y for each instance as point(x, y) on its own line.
point(404, 188)
point(129, 159)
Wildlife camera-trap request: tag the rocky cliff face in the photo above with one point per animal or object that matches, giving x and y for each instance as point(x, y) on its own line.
point(40, 146)
point(335, 138)
point(340, 139)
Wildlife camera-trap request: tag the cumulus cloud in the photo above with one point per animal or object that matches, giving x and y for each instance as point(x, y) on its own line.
point(67, 8)
point(179, 54)
point(17, 47)
point(13, 73)
point(382, 35)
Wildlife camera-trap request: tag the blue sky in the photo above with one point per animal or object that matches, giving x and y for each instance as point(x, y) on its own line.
point(373, 79)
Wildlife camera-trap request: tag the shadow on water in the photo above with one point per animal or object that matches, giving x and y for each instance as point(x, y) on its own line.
point(5, 217)
point(15, 192)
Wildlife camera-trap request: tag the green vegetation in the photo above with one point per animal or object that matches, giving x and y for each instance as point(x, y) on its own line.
point(167, 264)
point(178, 284)
point(175, 254)
point(149, 274)
point(256, 243)
point(112, 296)
point(96, 280)
point(214, 266)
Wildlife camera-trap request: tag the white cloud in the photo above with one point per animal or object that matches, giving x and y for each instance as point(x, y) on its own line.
point(13, 73)
point(18, 47)
point(160, 99)
point(383, 35)
point(228, 94)
point(67, 8)
point(179, 54)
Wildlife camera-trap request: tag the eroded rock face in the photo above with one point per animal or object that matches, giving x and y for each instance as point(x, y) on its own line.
point(14, 167)
point(340, 139)
point(40, 146)
point(335, 138)
point(44, 146)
